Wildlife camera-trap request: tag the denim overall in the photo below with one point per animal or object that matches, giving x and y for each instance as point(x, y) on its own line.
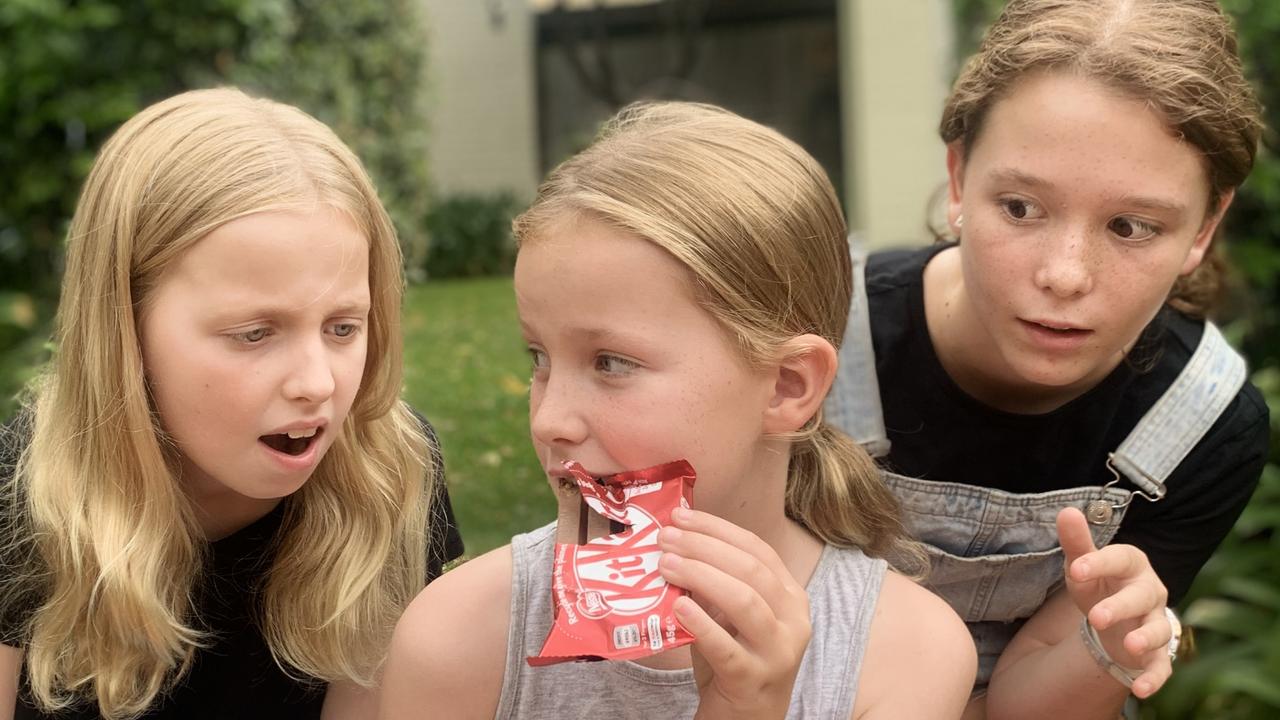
point(994, 555)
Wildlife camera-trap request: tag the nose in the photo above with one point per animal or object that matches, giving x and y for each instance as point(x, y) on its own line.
point(311, 373)
point(555, 416)
point(1066, 266)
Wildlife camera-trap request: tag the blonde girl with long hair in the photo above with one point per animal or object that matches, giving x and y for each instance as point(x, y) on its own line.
point(216, 505)
point(1048, 381)
point(682, 287)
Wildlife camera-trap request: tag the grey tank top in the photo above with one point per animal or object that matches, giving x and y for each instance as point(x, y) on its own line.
point(842, 600)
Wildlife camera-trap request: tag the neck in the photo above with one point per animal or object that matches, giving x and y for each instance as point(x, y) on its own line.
point(757, 502)
point(965, 350)
point(219, 510)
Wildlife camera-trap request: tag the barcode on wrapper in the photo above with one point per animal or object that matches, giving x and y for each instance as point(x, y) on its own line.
point(655, 633)
point(626, 636)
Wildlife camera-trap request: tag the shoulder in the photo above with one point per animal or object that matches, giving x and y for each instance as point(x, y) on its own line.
point(445, 543)
point(423, 426)
point(899, 267)
point(920, 660)
point(1243, 425)
point(895, 300)
point(19, 590)
point(15, 435)
point(448, 653)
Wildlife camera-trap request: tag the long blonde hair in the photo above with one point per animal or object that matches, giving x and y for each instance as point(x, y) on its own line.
point(756, 221)
point(1178, 56)
point(112, 540)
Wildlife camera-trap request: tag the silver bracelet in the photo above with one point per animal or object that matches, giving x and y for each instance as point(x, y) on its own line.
point(1100, 655)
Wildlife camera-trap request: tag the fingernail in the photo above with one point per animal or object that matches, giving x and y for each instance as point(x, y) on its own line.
point(1104, 617)
point(683, 606)
point(669, 534)
point(1141, 689)
point(671, 561)
point(1082, 569)
point(681, 514)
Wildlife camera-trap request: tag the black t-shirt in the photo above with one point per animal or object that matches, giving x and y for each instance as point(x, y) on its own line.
point(236, 676)
point(939, 432)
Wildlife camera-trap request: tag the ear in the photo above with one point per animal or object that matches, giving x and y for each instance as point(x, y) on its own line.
point(804, 375)
point(1204, 238)
point(955, 183)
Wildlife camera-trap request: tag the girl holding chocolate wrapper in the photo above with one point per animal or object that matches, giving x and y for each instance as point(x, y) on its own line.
point(683, 286)
point(215, 504)
point(1048, 383)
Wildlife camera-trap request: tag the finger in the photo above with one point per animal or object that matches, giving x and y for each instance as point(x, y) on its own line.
point(1114, 562)
point(1154, 634)
point(736, 537)
point(718, 648)
point(777, 592)
point(1073, 534)
point(1135, 600)
point(1152, 679)
point(739, 604)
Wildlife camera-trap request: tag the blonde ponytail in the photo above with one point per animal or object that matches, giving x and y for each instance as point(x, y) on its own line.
point(835, 489)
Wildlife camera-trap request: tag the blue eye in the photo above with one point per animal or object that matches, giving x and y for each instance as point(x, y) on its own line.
point(251, 337)
point(345, 330)
point(614, 365)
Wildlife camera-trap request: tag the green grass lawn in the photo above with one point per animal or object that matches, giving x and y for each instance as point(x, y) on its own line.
point(466, 369)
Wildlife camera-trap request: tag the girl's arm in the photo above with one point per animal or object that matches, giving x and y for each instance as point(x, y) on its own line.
point(1048, 671)
point(10, 664)
point(449, 648)
point(920, 661)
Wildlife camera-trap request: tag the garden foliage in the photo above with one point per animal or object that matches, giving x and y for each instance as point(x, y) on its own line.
point(471, 235)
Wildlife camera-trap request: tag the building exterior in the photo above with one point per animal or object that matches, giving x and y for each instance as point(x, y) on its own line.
point(517, 85)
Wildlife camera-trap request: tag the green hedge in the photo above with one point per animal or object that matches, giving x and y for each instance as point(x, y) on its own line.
point(471, 236)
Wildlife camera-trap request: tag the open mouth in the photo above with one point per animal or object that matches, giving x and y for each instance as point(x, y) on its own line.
point(294, 442)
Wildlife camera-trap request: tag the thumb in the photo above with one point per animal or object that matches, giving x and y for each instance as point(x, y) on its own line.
point(1074, 535)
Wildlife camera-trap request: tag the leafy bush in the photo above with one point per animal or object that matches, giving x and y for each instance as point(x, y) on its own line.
point(471, 236)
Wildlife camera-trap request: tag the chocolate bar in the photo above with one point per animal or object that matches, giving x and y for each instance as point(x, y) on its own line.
point(610, 601)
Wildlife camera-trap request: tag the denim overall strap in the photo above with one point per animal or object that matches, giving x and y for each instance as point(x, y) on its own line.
point(853, 405)
point(1186, 411)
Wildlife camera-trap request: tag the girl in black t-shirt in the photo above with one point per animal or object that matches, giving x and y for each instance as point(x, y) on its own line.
point(216, 502)
point(1057, 356)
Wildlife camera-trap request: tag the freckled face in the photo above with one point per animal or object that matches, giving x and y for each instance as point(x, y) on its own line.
point(256, 333)
point(628, 370)
point(1080, 210)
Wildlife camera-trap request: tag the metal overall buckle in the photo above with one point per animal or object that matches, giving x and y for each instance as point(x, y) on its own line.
point(1099, 512)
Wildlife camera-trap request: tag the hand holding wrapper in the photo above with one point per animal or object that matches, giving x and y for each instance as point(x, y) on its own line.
point(611, 603)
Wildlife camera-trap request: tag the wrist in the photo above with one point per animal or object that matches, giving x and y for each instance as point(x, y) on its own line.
point(1123, 674)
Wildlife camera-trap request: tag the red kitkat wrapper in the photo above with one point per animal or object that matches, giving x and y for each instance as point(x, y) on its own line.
point(611, 602)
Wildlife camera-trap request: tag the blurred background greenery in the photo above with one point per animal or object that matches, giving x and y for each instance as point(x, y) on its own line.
point(72, 70)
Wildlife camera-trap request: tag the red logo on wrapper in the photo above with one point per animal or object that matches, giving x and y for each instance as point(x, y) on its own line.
point(611, 602)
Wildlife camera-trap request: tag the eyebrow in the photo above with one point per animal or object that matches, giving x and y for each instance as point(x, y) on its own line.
point(1017, 177)
point(352, 307)
point(590, 334)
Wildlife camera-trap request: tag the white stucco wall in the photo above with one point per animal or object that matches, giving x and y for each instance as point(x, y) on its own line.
point(481, 96)
point(895, 71)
